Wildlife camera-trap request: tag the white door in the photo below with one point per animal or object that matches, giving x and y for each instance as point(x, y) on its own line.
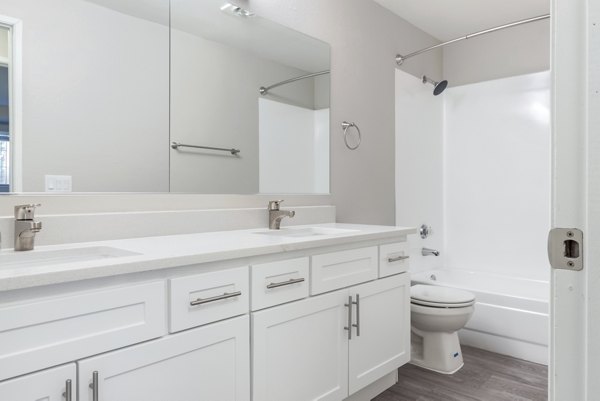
point(381, 341)
point(300, 350)
point(207, 363)
point(56, 384)
point(575, 308)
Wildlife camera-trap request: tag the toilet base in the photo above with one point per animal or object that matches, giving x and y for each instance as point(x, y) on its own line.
point(439, 352)
point(424, 366)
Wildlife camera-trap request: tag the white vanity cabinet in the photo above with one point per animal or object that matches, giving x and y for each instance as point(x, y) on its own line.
point(381, 341)
point(329, 322)
point(56, 384)
point(206, 363)
point(330, 346)
point(300, 350)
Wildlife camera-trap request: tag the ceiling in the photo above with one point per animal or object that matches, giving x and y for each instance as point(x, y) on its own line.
point(449, 19)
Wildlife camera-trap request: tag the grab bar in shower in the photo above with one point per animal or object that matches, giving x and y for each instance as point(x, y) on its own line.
point(177, 145)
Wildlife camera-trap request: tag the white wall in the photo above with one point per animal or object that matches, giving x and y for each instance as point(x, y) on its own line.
point(519, 50)
point(88, 108)
point(290, 138)
point(497, 176)
point(419, 166)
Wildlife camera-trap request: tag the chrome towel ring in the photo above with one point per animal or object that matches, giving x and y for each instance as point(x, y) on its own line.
point(346, 126)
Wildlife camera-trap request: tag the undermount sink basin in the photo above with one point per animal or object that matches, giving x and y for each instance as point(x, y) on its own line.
point(305, 232)
point(45, 258)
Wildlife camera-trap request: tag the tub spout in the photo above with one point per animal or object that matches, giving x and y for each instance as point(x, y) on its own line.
point(428, 252)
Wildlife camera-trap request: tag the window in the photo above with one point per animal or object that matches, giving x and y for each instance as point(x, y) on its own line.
point(4, 162)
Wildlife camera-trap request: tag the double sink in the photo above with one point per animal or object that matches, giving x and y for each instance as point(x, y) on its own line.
point(39, 258)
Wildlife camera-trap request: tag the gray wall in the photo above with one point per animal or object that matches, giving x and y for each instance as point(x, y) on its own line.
point(515, 51)
point(365, 38)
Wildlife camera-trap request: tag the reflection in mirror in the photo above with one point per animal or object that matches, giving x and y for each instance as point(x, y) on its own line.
point(221, 56)
point(99, 89)
point(95, 95)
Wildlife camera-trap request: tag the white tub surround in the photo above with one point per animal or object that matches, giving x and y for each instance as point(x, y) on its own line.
point(497, 176)
point(511, 314)
point(170, 317)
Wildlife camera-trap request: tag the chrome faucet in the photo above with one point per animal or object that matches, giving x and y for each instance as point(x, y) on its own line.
point(427, 252)
point(26, 227)
point(276, 215)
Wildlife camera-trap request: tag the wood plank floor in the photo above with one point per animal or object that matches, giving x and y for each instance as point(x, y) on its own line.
point(486, 376)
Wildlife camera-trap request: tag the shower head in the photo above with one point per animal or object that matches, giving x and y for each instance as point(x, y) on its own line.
point(438, 87)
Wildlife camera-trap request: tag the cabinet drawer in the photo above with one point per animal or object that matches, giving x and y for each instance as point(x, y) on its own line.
point(49, 331)
point(335, 270)
point(393, 259)
point(279, 282)
point(208, 297)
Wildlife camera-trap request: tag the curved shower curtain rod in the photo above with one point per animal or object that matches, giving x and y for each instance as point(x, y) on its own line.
point(400, 58)
point(264, 90)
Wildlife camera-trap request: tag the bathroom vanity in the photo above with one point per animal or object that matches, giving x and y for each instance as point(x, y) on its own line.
point(301, 313)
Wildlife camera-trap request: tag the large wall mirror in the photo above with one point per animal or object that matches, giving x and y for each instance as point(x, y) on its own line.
point(184, 96)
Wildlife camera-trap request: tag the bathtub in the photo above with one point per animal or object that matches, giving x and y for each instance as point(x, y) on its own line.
point(511, 314)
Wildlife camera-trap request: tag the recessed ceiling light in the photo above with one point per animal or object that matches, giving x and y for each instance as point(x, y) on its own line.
point(237, 11)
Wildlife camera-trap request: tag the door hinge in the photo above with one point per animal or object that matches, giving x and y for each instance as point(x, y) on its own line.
point(565, 248)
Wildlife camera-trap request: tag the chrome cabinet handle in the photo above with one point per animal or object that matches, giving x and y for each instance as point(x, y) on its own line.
point(94, 386)
point(284, 283)
point(68, 394)
point(349, 327)
point(357, 325)
point(397, 258)
point(227, 295)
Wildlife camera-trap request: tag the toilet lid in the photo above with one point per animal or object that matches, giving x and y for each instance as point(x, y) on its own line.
point(436, 295)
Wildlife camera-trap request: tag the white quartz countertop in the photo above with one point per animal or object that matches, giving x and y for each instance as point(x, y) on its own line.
point(154, 253)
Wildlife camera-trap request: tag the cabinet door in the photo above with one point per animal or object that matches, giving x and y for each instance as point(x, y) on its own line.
point(300, 350)
point(382, 342)
point(47, 385)
point(208, 363)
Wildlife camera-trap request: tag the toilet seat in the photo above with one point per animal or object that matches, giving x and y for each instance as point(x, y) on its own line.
point(441, 305)
point(440, 297)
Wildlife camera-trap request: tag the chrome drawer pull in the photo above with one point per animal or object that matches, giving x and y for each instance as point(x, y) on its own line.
point(226, 295)
point(397, 258)
point(68, 394)
point(94, 386)
point(357, 325)
point(349, 327)
point(284, 283)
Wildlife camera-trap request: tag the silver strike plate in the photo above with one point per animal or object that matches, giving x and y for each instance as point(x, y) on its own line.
point(565, 248)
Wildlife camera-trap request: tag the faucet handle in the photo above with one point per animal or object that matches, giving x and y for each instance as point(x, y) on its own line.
point(274, 205)
point(26, 212)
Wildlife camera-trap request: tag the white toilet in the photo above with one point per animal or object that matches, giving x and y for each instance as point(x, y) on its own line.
point(437, 313)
